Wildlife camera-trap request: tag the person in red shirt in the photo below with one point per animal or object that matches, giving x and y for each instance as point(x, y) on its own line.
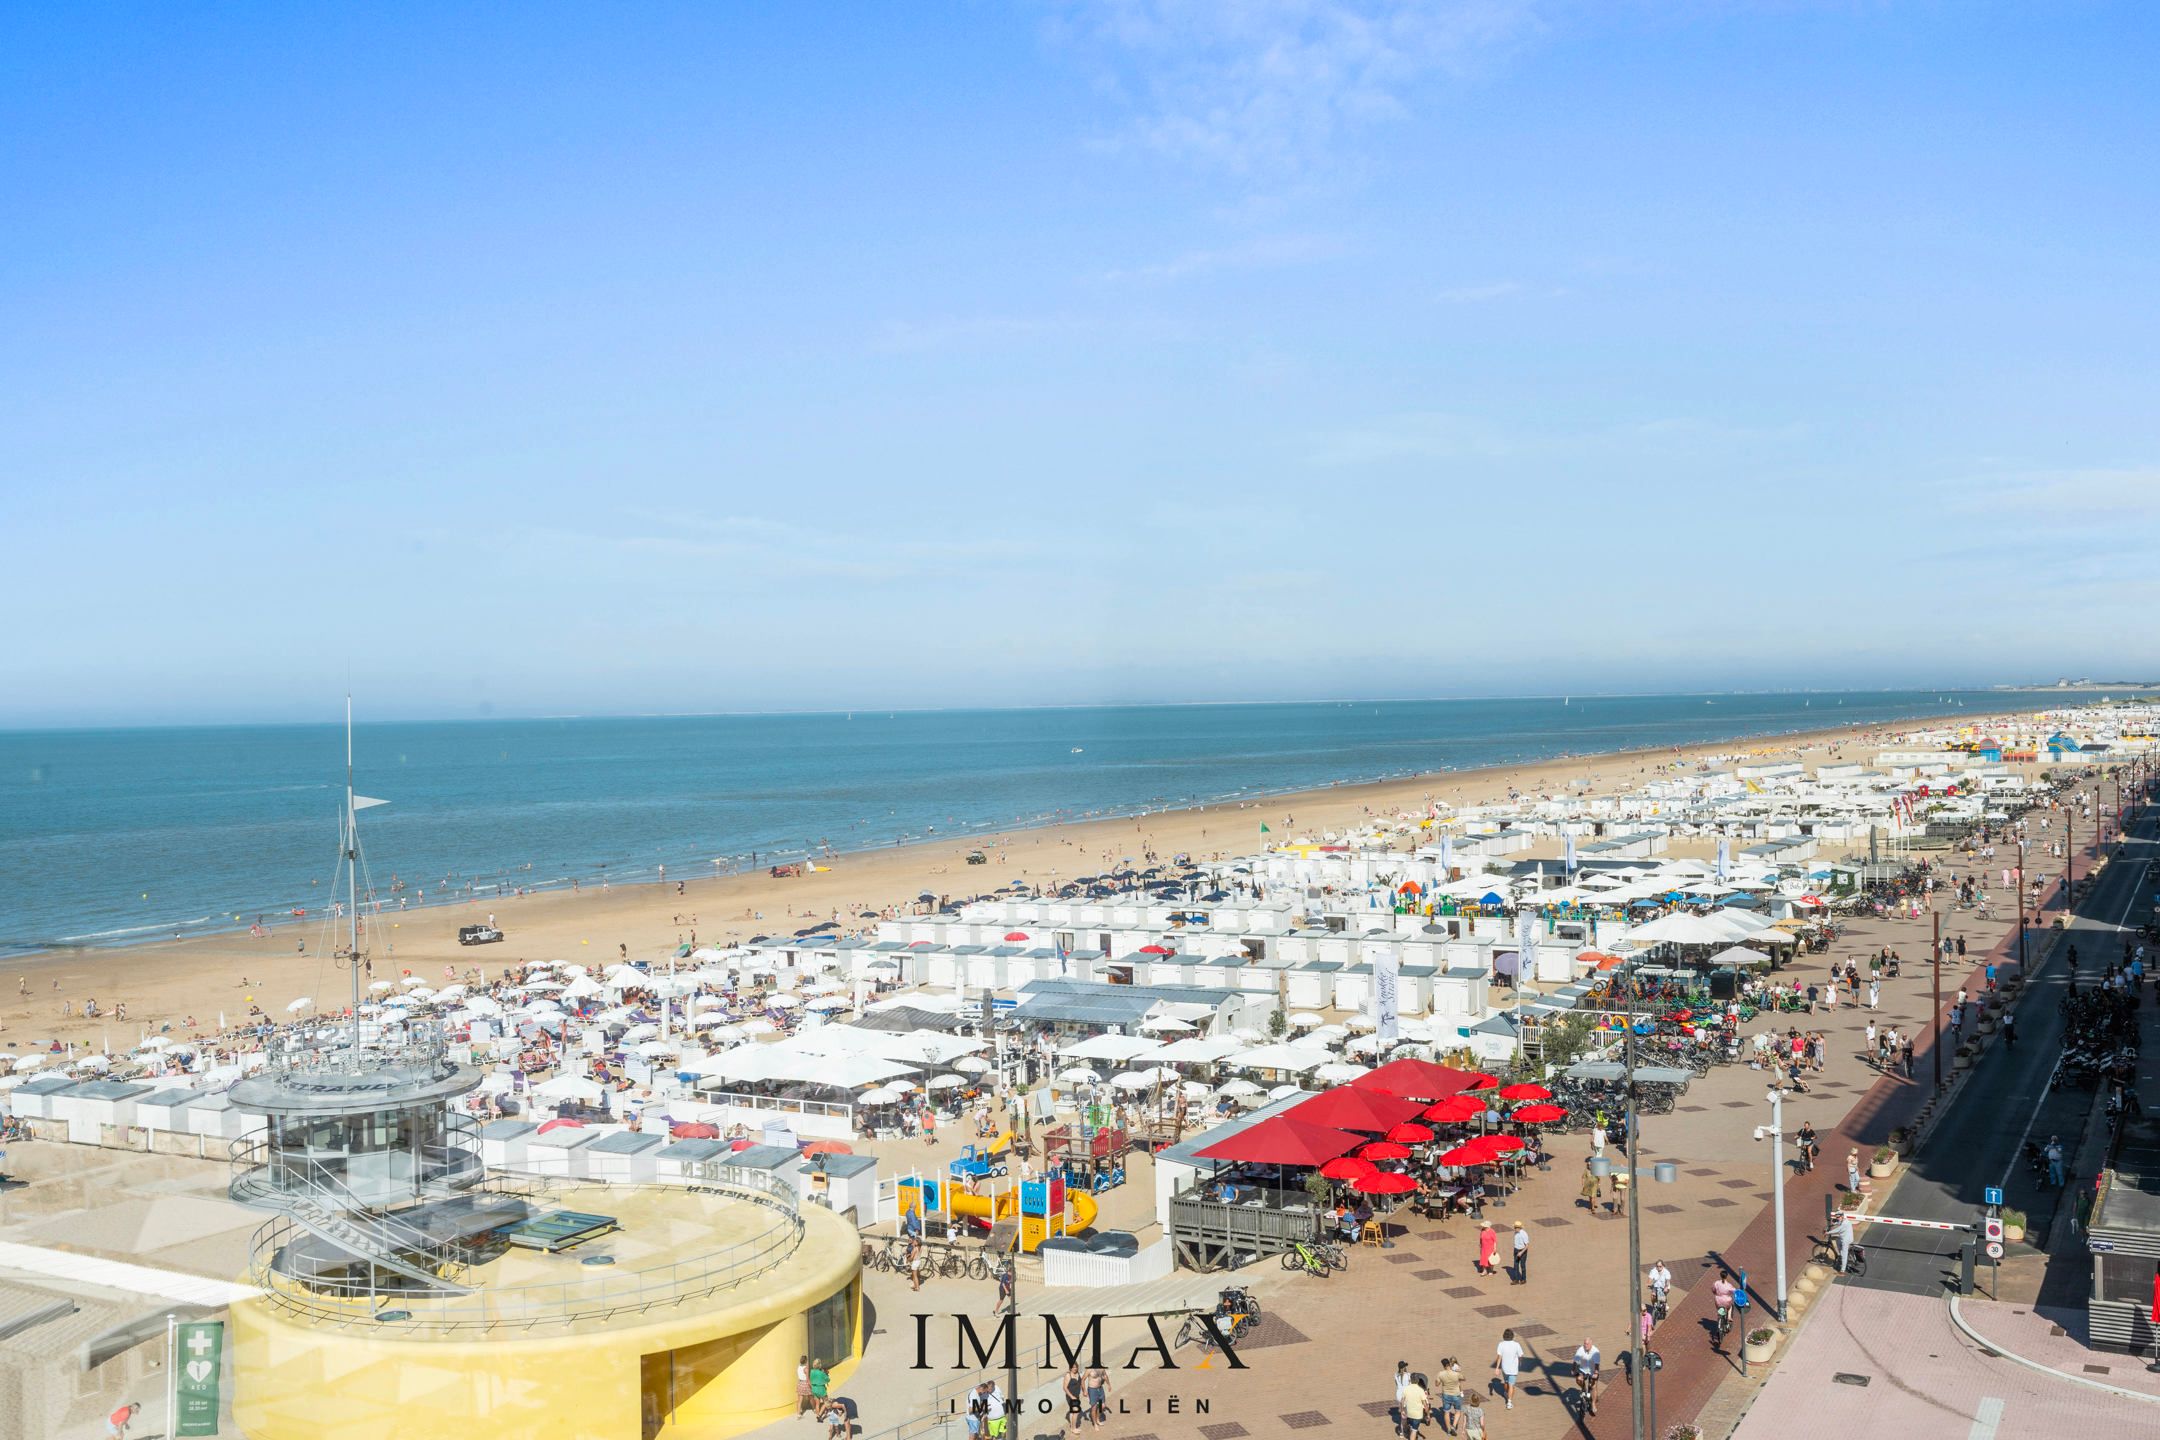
point(116, 1424)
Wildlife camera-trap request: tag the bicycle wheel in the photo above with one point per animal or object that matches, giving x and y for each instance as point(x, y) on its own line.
point(1338, 1258)
point(978, 1268)
point(1291, 1260)
point(1190, 1331)
point(953, 1266)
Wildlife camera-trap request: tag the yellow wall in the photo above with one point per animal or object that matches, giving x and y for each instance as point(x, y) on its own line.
point(731, 1358)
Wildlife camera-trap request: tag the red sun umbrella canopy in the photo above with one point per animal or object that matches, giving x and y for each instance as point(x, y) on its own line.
point(692, 1130)
point(1455, 1110)
point(1156, 950)
point(1470, 1154)
point(827, 1147)
point(1383, 1150)
point(1348, 1108)
point(1525, 1092)
point(1409, 1134)
point(1480, 1081)
point(1384, 1182)
point(1016, 935)
point(1347, 1167)
point(560, 1124)
point(1540, 1114)
point(1409, 887)
point(1280, 1140)
point(1498, 1144)
point(1415, 1079)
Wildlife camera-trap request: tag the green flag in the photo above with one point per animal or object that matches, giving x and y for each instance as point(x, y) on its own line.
point(199, 1365)
point(1263, 827)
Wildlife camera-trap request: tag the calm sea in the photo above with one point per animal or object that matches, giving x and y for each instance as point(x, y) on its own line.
point(117, 836)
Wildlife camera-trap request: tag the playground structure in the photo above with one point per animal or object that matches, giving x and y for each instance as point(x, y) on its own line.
point(1023, 1213)
point(1090, 1157)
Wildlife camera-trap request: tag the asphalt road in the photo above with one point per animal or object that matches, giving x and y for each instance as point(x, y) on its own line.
point(1979, 1142)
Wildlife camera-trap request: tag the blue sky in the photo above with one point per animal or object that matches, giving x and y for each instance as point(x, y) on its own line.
point(554, 359)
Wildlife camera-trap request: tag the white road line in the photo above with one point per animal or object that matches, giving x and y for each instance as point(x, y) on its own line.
point(1985, 1419)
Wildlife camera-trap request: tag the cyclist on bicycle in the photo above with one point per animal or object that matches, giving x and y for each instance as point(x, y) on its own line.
point(1809, 1146)
point(1721, 1293)
point(1587, 1361)
point(1660, 1284)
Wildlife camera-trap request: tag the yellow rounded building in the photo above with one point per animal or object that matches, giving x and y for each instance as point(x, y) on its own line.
point(407, 1292)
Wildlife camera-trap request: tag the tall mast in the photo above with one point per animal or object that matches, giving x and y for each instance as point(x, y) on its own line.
point(352, 872)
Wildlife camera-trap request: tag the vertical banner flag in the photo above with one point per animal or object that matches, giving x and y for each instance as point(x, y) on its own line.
point(1571, 852)
point(1525, 945)
point(1724, 857)
point(201, 1363)
point(1386, 1009)
point(1447, 856)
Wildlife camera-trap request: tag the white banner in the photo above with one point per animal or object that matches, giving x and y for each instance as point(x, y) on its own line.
point(1526, 944)
point(1447, 855)
point(1724, 858)
point(1571, 852)
point(1385, 1007)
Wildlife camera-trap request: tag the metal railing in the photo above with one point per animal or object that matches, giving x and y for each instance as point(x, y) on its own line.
point(783, 1103)
point(596, 1294)
point(344, 1048)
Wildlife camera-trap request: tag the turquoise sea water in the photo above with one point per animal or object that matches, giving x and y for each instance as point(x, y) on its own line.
point(113, 836)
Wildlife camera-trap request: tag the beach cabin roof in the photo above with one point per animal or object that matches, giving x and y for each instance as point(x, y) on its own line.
point(690, 1152)
point(763, 1157)
point(626, 1142)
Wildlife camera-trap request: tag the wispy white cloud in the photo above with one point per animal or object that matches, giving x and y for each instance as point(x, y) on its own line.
point(1267, 252)
point(1270, 86)
point(2077, 495)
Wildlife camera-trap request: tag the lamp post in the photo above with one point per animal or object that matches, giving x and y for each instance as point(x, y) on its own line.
point(1776, 1136)
point(2022, 970)
point(1935, 954)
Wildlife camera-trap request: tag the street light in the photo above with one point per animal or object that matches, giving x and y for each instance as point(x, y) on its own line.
point(1774, 1132)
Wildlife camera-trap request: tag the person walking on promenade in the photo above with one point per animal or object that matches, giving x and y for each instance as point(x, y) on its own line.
point(1507, 1362)
point(1852, 1172)
point(1488, 1241)
point(1522, 1254)
point(1589, 1191)
point(2009, 1029)
point(1450, 1381)
point(2054, 1153)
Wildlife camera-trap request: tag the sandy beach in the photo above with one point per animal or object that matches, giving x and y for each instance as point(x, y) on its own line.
point(188, 984)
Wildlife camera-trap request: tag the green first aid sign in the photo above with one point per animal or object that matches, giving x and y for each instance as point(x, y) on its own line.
point(199, 1362)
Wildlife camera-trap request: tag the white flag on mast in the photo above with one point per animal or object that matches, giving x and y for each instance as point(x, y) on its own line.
point(362, 802)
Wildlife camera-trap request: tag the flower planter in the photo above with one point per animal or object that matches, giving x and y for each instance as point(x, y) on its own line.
point(1759, 1354)
point(2015, 1234)
point(1881, 1169)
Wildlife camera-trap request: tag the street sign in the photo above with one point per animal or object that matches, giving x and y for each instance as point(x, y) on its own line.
point(1994, 1194)
point(1993, 1232)
point(1994, 1249)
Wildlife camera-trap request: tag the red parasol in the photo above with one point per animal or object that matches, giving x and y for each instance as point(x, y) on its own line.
point(1416, 1079)
point(561, 1124)
point(1408, 1134)
point(1455, 1110)
point(1156, 950)
point(1498, 1144)
point(827, 1147)
point(1280, 1140)
point(1525, 1092)
point(1481, 1082)
point(1347, 1167)
point(1540, 1114)
point(1384, 1182)
point(692, 1130)
point(1383, 1150)
point(1469, 1154)
point(1348, 1108)
point(1016, 935)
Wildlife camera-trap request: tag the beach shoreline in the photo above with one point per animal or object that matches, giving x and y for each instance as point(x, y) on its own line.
point(190, 982)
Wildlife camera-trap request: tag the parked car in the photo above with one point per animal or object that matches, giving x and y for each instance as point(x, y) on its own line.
point(976, 857)
point(478, 935)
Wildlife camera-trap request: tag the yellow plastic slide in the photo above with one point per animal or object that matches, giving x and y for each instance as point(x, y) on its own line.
point(1083, 1209)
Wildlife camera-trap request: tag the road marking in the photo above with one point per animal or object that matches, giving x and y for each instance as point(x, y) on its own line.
point(1985, 1419)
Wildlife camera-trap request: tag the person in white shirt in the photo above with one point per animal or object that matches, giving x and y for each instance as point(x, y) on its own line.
point(1507, 1360)
point(1587, 1361)
point(1660, 1280)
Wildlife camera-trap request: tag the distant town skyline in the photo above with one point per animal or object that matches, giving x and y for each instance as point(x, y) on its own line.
point(726, 360)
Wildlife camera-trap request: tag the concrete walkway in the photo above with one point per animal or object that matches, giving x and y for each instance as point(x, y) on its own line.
point(1881, 1362)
